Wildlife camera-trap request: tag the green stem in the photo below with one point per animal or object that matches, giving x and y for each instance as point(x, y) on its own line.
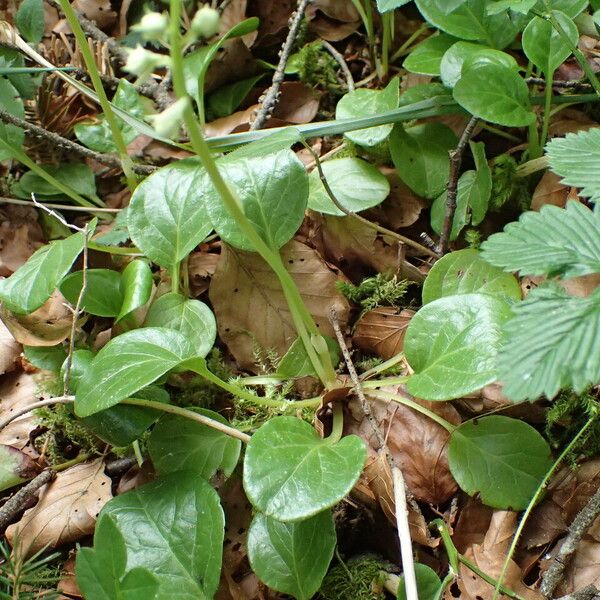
point(379, 383)
point(407, 44)
point(387, 23)
point(109, 115)
point(534, 500)
point(547, 109)
point(175, 278)
point(115, 250)
point(384, 366)
point(534, 142)
point(337, 428)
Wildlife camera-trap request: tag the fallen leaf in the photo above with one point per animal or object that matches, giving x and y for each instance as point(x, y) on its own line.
point(250, 306)
point(333, 20)
point(274, 16)
point(20, 236)
point(549, 190)
point(473, 522)
point(66, 510)
point(201, 267)
point(68, 583)
point(99, 11)
point(234, 13)
point(583, 568)
point(10, 350)
point(233, 62)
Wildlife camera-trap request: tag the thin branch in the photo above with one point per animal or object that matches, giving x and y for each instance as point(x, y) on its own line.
point(456, 157)
point(271, 96)
point(342, 62)
point(34, 406)
point(588, 593)
point(559, 83)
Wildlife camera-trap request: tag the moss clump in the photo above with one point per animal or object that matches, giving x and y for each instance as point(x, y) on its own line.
point(359, 579)
point(508, 190)
point(318, 69)
point(372, 292)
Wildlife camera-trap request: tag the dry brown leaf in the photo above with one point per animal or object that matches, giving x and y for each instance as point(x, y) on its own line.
point(340, 10)
point(250, 306)
point(331, 30)
point(549, 190)
point(66, 510)
point(274, 16)
point(97, 10)
point(10, 350)
point(20, 236)
point(26, 468)
point(201, 267)
point(473, 522)
point(234, 13)
point(333, 20)
point(381, 331)
point(581, 286)
point(570, 120)
point(583, 568)
point(68, 583)
point(232, 63)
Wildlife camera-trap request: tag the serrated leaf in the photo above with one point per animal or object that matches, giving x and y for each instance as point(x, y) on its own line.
point(428, 583)
point(452, 345)
point(292, 558)
point(550, 344)
point(426, 58)
point(291, 474)
point(136, 287)
point(502, 459)
point(553, 241)
point(576, 159)
point(102, 296)
point(33, 283)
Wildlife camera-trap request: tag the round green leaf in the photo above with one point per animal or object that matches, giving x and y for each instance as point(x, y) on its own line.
point(545, 46)
point(428, 583)
point(79, 177)
point(420, 155)
point(292, 558)
point(191, 317)
point(495, 93)
point(426, 58)
point(365, 103)
point(273, 191)
point(356, 184)
point(291, 474)
point(174, 527)
point(464, 272)
point(502, 459)
point(48, 358)
point(178, 444)
point(136, 286)
point(571, 8)
point(102, 296)
point(166, 217)
point(452, 345)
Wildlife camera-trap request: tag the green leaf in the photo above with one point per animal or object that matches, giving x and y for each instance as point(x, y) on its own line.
point(10, 135)
point(272, 143)
point(420, 155)
point(190, 317)
point(102, 296)
point(33, 283)
point(571, 8)
point(296, 362)
point(385, 5)
point(25, 82)
point(520, 6)
point(428, 583)
point(98, 136)
point(495, 93)
point(452, 345)
point(128, 363)
point(503, 460)
point(15, 467)
point(292, 558)
point(365, 103)
point(78, 177)
point(426, 58)
point(553, 241)
point(355, 183)
point(226, 99)
point(551, 344)
point(464, 272)
point(166, 217)
point(179, 444)
point(470, 21)
point(48, 358)
point(261, 183)
point(576, 159)
point(100, 571)
point(136, 287)
point(30, 20)
point(291, 474)
point(544, 46)
point(174, 527)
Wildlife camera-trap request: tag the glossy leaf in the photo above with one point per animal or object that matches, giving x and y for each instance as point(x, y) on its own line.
point(520, 6)
point(102, 297)
point(33, 283)
point(291, 474)
point(571, 8)
point(10, 135)
point(226, 99)
point(166, 217)
point(30, 20)
point(292, 558)
point(365, 103)
point(428, 583)
point(385, 5)
point(78, 177)
point(420, 155)
point(426, 58)
point(495, 93)
point(190, 317)
point(296, 363)
point(48, 358)
point(129, 363)
point(179, 444)
point(503, 460)
point(136, 287)
point(452, 345)
point(174, 527)
point(464, 272)
point(273, 191)
point(356, 184)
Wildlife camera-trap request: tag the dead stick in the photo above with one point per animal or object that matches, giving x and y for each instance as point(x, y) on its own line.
point(456, 156)
point(341, 61)
point(588, 593)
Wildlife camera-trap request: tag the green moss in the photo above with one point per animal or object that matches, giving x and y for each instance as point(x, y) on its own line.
point(473, 238)
point(372, 292)
point(318, 69)
point(359, 579)
point(508, 190)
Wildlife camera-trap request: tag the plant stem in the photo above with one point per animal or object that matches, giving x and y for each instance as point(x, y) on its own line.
point(67, 207)
point(384, 366)
point(175, 278)
point(337, 429)
point(111, 119)
point(534, 142)
point(407, 44)
point(387, 24)
point(547, 109)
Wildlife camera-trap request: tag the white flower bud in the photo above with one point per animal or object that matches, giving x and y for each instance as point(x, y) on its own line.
point(142, 62)
point(206, 22)
point(168, 122)
point(152, 25)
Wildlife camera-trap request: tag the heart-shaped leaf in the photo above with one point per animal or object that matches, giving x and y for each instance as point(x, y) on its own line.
point(166, 217)
point(291, 474)
point(129, 363)
point(292, 558)
point(136, 287)
point(174, 527)
point(178, 444)
point(33, 283)
point(502, 459)
point(452, 345)
point(102, 296)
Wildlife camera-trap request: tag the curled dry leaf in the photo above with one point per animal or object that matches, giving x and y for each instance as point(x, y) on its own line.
point(250, 306)
point(550, 190)
point(10, 350)
point(381, 331)
point(232, 63)
point(234, 13)
point(201, 267)
point(66, 510)
point(99, 11)
point(333, 20)
point(473, 521)
point(20, 237)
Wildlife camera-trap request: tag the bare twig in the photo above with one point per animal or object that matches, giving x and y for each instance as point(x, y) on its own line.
point(271, 96)
point(582, 522)
point(588, 593)
point(15, 414)
point(341, 61)
point(456, 156)
point(558, 83)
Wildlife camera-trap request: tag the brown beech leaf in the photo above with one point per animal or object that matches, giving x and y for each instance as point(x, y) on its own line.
point(66, 510)
point(250, 306)
point(97, 10)
point(381, 331)
point(68, 583)
point(549, 190)
point(20, 236)
point(333, 20)
point(234, 13)
point(10, 350)
point(232, 63)
point(201, 267)
point(473, 522)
